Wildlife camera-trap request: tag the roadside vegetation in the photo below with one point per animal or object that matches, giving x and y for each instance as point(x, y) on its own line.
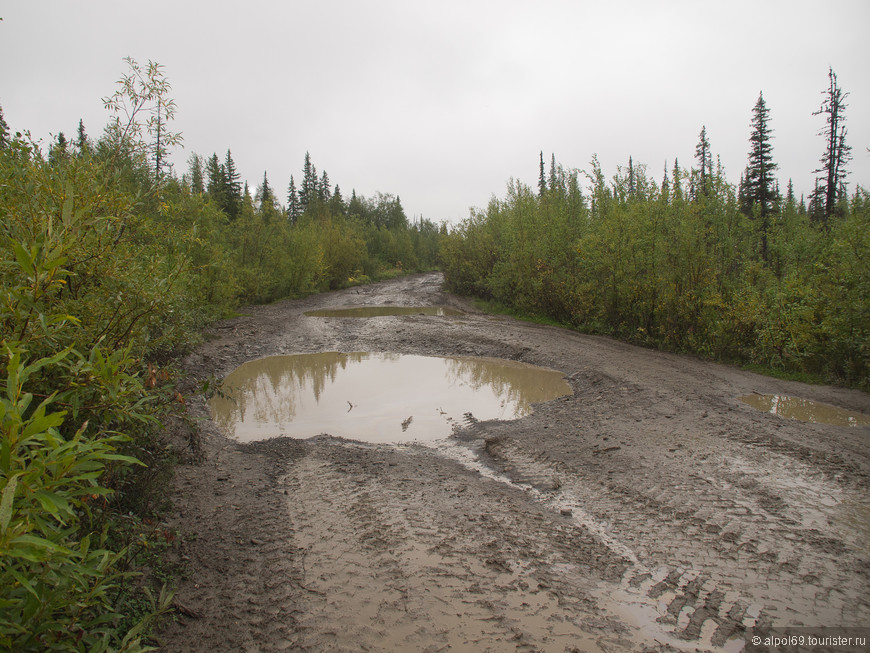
point(111, 266)
point(692, 263)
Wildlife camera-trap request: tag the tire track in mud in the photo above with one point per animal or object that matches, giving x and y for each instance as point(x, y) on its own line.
point(386, 567)
point(706, 567)
point(243, 577)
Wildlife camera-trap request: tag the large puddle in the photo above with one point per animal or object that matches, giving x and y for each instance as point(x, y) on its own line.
point(377, 397)
point(380, 311)
point(805, 410)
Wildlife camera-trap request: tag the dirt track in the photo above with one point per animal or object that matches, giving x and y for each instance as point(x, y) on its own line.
point(651, 510)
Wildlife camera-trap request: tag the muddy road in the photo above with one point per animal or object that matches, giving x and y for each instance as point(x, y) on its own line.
point(649, 510)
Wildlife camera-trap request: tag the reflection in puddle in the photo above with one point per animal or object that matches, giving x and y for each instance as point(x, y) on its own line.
point(380, 311)
point(805, 410)
point(377, 397)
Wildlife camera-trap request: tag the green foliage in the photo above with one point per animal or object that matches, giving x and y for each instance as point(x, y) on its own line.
point(57, 583)
point(260, 252)
point(109, 267)
point(648, 264)
point(89, 288)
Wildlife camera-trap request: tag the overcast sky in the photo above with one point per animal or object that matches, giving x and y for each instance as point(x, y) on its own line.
point(442, 102)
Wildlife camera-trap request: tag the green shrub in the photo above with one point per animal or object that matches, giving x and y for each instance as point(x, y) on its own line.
point(59, 579)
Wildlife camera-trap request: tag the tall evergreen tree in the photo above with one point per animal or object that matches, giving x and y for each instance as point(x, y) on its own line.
point(59, 150)
point(558, 181)
point(742, 202)
point(677, 193)
point(705, 160)
point(308, 194)
point(293, 205)
point(323, 187)
point(265, 198)
point(837, 153)
point(356, 207)
point(666, 186)
point(195, 170)
point(553, 180)
point(336, 202)
point(232, 187)
point(83, 144)
point(542, 179)
point(760, 184)
point(216, 176)
point(817, 203)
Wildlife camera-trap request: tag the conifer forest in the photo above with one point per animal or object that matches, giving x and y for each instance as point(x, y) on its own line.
point(114, 262)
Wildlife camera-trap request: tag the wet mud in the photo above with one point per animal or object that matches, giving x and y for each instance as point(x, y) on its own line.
point(650, 509)
point(382, 311)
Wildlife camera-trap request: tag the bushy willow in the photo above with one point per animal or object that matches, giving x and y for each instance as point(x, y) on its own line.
point(677, 266)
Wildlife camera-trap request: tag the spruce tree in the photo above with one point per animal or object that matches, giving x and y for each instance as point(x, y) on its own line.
point(308, 194)
point(195, 168)
point(323, 187)
point(59, 150)
point(817, 203)
point(356, 206)
point(760, 182)
point(551, 181)
point(705, 160)
point(666, 186)
point(542, 179)
point(677, 194)
point(293, 208)
point(265, 198)
point(215, 174)
point(232, 188)
point(837, 153)
point(336, 202)
point(83, 144)
point(760, 185)
point(742, 203)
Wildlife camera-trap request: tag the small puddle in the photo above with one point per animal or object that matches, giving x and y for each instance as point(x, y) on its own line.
point(805, 410)
point(380, 311)
point(377, 397)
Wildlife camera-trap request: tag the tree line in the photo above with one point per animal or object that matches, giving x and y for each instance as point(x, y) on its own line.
point(112, 265)
point(261, 249)
point(690, 263)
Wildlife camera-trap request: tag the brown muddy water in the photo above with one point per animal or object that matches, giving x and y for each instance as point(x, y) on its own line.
point(805, 410)
point(377, 397)
point(381, 311)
